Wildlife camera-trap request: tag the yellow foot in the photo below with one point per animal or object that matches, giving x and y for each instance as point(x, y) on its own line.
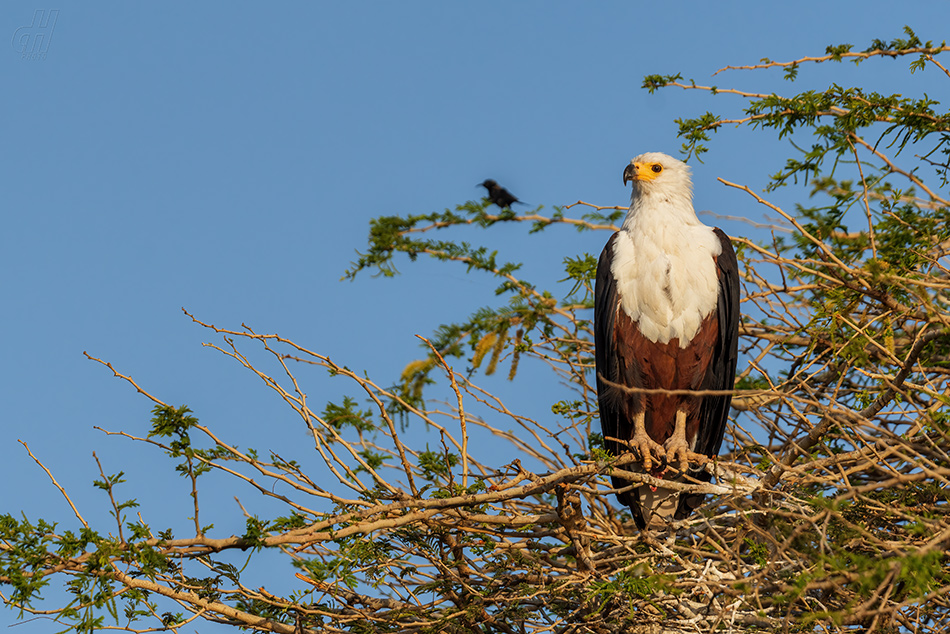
point(677, 451)
point(648, 449)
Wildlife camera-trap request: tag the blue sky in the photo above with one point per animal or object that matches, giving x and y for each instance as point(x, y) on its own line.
point(226, 157)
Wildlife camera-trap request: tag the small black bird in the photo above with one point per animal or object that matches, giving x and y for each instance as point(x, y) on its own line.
point(499, 195)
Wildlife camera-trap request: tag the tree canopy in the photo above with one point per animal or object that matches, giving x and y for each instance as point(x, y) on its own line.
point(829, 510)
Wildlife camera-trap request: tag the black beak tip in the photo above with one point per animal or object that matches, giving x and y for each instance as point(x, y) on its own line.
point(629, 173)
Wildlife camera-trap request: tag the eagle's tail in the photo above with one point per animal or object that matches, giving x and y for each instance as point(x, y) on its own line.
point(659, 504)
point(656, 506)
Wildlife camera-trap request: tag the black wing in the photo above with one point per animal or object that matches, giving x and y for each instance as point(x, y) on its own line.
point(614, 419)
point(502, 197)
point(714, 410)
point(605, 349)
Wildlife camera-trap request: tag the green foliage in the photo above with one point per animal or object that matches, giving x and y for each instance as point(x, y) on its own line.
point(347, 415)
point(581, 269)
point(436, 464)
point(373, 460)
point(654, 82)
point(626, 587)
point(369, 557)
point(899, 44)
point(169, 422)
point(389, 235)
point(256, 533)
point(695, 131)
point(19, 566)
point(837, 51)
point(757, 552)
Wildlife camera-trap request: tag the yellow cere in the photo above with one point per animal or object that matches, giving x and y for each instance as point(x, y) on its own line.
point(648, 171)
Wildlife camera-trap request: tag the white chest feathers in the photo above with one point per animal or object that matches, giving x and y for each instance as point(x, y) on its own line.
point(666, 278)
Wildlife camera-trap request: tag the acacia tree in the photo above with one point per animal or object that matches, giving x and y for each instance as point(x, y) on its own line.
point(830, 507)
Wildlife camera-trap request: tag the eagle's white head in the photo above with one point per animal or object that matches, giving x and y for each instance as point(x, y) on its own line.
point(658, 174)
point(662, 189)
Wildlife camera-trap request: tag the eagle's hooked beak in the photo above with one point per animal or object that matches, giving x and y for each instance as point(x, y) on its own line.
point(629, 173)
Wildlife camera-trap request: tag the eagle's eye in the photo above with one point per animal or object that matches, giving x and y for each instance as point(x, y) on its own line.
point(657, 168)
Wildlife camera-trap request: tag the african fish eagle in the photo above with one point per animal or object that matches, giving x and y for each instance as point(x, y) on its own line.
point(666, 317)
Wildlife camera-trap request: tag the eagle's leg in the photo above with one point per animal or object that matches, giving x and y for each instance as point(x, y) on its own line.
point(643, 444)
point(676, 446)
